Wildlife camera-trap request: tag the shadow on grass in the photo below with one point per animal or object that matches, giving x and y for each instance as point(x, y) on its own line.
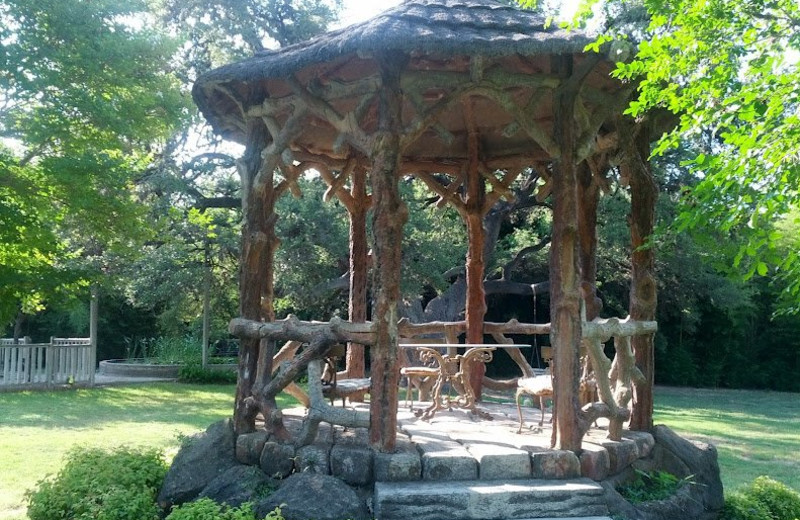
point(91, 408)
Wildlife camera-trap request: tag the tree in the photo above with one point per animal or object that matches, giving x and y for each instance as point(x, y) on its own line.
point(87, 99)
point(729, 68)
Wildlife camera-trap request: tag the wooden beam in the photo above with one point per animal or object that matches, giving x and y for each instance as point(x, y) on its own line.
point(525, 119)
point(346, 125)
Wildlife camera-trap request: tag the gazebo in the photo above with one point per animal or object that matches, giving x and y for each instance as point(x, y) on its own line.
point(464, 95)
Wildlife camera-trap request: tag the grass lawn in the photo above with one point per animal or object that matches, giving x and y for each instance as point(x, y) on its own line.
point(38, 428)
point(755, 432)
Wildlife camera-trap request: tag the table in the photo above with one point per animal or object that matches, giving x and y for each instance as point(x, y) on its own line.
point(455, 369)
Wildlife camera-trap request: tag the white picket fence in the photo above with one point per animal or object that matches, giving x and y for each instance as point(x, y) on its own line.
point(32, 365)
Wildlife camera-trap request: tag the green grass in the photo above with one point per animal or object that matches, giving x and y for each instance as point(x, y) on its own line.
point(755, 432)
point(38, 428)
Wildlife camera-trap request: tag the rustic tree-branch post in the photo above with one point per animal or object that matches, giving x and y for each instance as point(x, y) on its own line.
point(357, 305)
point(644, 297)
point(474, 211)
point(588, 199)
point(565, 267)
point(388, 219)
point(256, 238)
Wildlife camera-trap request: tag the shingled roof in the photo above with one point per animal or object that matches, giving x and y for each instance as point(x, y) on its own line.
point(485, 27)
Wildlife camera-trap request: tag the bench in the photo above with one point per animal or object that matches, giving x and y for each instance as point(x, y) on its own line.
point(334, 388)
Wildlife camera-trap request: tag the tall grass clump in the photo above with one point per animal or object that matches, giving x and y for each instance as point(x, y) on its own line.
point(165, 350)
point(96, 484)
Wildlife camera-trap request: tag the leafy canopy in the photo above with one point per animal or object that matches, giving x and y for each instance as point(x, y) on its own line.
point(728, 70)
point(87, 96)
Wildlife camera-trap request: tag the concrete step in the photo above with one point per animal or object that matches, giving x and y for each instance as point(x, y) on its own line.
point(490, 500)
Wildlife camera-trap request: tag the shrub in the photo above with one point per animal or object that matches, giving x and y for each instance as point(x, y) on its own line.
point(764, 499)
point(207, 509)
point(195, 373)
point(100, 485)
point(742, 507)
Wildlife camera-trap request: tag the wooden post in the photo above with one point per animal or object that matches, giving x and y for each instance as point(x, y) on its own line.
point(643, 295)
point(389, 217)
point(206, 302)
point(564, 266)
point(357, 305)
point(93, 301)
point(474, 209)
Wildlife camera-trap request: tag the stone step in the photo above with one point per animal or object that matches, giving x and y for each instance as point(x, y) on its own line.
point(489, 500)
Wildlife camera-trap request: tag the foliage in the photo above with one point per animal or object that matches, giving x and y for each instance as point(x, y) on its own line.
point(29, 250)
point(86, 99)
point(195, 373)
point(434, 241)
point(207, 509)
point(763, 499)
point(655, 485)
point(729, 70)
point(741, 507)
point(313, 251)
point(100, 485)
point(714, 330)
point(220, 31)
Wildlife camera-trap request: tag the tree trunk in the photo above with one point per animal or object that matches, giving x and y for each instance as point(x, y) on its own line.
point(19, 321)
point(644, 298)
point(358, 270)
point(565, 270)
point(389, 217)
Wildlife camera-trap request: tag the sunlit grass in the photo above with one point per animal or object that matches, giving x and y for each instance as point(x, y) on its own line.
point(38, 428)
point(756, 433)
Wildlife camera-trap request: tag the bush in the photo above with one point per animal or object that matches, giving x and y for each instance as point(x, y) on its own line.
point(195, 373)
point(764, 499)
point(95, 484)
point(207, 509)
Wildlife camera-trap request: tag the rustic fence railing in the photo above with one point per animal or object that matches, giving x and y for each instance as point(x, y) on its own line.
point(32, 365)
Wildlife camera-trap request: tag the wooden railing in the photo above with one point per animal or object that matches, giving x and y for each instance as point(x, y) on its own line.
point(31, 365)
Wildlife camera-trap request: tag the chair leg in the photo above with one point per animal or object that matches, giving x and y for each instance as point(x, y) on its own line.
point(519, 409)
